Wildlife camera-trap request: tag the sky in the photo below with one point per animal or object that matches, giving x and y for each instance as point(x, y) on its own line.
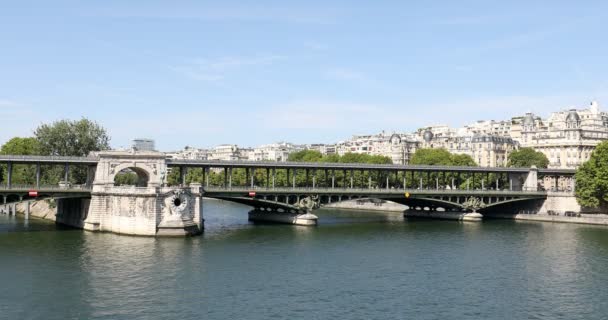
point(201, 73)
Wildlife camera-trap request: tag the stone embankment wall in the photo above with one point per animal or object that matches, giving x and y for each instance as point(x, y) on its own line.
point(43, 209)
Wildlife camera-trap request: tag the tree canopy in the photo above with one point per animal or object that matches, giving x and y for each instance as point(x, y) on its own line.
point(316, 156)
point(21, 146)
point(592, 179)
point(441, 157)
point(71, 138)
point(21, 174)
point(527, 157)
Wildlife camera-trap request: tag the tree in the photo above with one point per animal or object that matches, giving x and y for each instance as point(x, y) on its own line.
point(592, 179)
point(21, 173)
point(527, 157)
point(71, 138)
point(21, 146)
point(441, 157)
point(305, 156)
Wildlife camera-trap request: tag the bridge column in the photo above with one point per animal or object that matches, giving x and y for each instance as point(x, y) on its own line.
point(66, 172)
point(496, 184)
point(369, 180)
point(267, 178)
point(307, 175)
point(333, 178)
point(252, 176)
point(531, 183)
point(206, 176)
point(38, 176)
point(482, 183)
point(182, 175)
point(404, 180)
point(225, 177)
point(9, 175)
point(314, 178)
point(387, 180)
point(293, 178)
point(27, 210)
point(437, 183)
point(352, 182)
point(420, 182)
point(274, 176)
point(453, 185)
point(230, 179)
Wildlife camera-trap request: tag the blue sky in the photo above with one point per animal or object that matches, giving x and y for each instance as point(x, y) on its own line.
point(252, 72)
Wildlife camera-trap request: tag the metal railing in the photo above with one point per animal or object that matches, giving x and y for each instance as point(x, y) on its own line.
point(54, 187)
point(371, 190)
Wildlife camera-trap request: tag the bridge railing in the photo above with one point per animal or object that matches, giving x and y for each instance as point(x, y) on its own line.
point(370, 190)
point(27, 187)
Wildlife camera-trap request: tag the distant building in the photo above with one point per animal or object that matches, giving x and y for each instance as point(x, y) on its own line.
point(567, 137)
point(190, 153)
point(273, 152)
point(143, 144)
point(487, 150)
point(225, 152)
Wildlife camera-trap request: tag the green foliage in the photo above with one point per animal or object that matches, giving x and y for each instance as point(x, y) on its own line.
point(316, 156)
point(21, 146)
point(126, 179)
point(22, 174)
point(592, 179)
point(527, 157)
point(305, 156)
point(441, 157)
point(71, 138)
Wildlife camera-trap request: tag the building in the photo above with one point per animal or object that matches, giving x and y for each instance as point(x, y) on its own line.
point(189, 153)
point(487, 150)
point(225, 152)
point(567, 137)
point(397, 146)
point(143, 144)
point(274, 152)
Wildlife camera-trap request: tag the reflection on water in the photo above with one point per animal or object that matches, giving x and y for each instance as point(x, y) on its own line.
point(354, 265)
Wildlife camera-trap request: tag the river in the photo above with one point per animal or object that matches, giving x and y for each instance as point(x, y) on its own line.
point(354, 265)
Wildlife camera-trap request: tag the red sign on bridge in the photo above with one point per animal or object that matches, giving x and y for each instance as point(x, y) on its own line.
point(33, 193)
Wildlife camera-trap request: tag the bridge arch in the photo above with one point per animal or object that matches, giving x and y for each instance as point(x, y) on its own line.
point(135, 176)
point(144, 173)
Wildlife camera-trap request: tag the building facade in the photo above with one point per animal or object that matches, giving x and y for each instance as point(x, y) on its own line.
point(567, 137)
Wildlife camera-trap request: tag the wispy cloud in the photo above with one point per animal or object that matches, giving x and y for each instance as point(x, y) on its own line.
point(215, 70)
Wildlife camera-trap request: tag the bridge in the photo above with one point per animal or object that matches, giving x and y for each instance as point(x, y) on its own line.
point(278, 191)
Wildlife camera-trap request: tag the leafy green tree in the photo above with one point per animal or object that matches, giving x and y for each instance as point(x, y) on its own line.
point(126, 179)
point(592, 179)
point(527, 157)
point(432, 157)
point(21, 173)
point(21, 146)
point(305, 156)
point(70, 138)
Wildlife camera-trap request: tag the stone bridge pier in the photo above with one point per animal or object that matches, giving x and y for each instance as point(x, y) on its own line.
point(148, 209)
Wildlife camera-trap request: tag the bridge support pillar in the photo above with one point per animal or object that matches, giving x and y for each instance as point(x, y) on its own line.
point(27, 210)
point(299, 219)
point(471, 216)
